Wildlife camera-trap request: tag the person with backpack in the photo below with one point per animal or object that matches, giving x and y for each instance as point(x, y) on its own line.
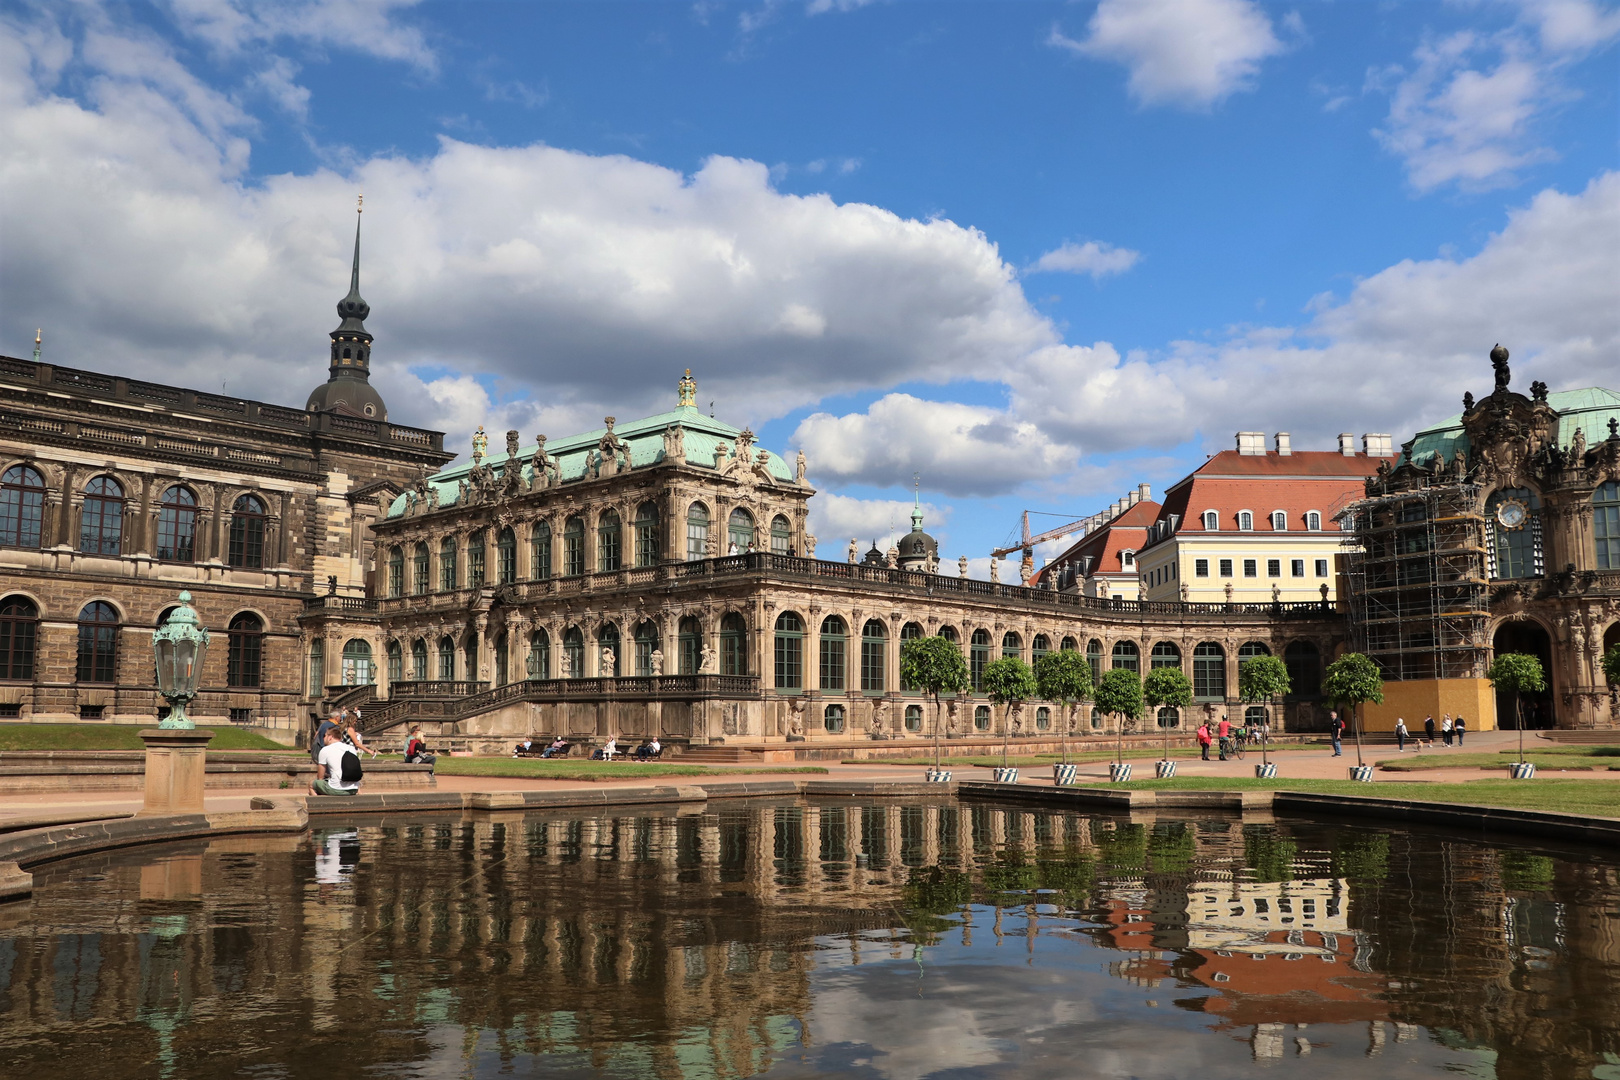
point(1460, 728)
point(1400, 734)
point(338, 768)
point(1203, 739)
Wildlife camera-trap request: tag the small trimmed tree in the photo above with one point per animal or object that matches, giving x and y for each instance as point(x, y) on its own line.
point(935, 666)
point(1166, 687)
point(1517, 673)
point(1261, 680)
point(1350, 681)
point(1611, 666)
point(1063, 677)
point(1010, 683)
point(1120, 693)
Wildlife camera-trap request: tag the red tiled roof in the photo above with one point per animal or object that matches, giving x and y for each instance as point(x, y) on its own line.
point(1228, 482)
point(1128, 531)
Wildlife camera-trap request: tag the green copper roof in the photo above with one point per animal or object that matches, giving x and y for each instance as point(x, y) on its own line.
point(1589, 409)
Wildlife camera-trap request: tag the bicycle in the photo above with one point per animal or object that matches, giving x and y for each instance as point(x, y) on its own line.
point(1231, 748)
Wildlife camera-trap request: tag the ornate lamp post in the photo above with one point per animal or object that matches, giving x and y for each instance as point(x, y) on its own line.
point(178, 647)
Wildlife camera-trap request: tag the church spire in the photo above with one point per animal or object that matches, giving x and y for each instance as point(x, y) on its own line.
point(350, 362)
point(916, 502)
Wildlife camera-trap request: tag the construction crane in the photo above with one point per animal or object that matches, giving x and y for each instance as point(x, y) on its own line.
point(1027, 545)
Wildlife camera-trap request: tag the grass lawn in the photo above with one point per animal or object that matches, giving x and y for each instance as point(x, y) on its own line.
point(1584, 758)
point(1032, 761)
point(116, 737)
point(1596, 798)
point(530, 768)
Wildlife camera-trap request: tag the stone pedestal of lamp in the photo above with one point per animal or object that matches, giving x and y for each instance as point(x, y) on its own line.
point(175, 762)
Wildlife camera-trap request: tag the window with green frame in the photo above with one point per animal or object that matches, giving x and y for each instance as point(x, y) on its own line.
point(420, 569)
point(608, 539)
point(689, 641)
point(1039, 646)
point(506, 556)
point(1127, 656)
point(539, 655)
point(447, 565)
point(733, 645)
point(1094, 655)
point(1606, 525)
point(909, 632)
point(1165, 654)
point(1209, 672)
point(834, 641)
point(647, 550)
point(574, 547)
point(789, 651)
point(396, 571)
point(475, 559)
point(697, 532)
point(540, 551)
point(978, 659)
point(874, 657)
point(1012, 645)
point(781, 536)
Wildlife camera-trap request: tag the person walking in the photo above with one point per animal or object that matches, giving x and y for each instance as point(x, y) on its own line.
point(1400, 734)
point(1460, 727)
point(1203, 738)
point(1445, 729)
point(1428, 730)
point(1336, 729)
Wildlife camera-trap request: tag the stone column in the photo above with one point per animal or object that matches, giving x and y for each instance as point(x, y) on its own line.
point(175, 759)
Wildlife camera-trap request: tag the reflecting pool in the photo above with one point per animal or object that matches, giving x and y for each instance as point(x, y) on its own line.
point(796, 938)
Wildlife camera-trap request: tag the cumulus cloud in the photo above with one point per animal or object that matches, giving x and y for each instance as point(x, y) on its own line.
point(1192, 53)
point(961, 449)
point(1098, 260)
point(370, 26)
point(835, 519)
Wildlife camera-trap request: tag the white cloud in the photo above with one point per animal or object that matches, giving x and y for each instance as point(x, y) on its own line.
point(366, 26)
point(1091, 257)
point(822, 7)
point(1191, 53)
point(836, 519)
point(962, 449)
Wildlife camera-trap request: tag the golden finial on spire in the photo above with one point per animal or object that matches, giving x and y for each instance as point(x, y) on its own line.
point(688, 390)
point(39, 336)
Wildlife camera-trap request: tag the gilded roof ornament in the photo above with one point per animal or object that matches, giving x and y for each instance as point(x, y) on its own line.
point(688, 392)
point(480, 444)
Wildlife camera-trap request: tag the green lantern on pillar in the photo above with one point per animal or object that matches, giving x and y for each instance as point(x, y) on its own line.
point(178, 648)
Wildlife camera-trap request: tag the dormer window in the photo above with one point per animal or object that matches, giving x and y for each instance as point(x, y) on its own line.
point(1245, 521)
point(1212, 521)
point(1127, 559)
point(1279, 521)
point(1313, 520)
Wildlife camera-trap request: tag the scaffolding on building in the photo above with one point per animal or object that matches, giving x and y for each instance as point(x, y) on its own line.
point(1415, 569)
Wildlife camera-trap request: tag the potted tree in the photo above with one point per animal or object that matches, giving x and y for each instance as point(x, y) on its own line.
point(1120, 693)
point(1261, 680)
point(1516, 674)
point(935, 666)
point(1166, 687)
point(1350, 681)
point(1063, 677)
point(1010, 683)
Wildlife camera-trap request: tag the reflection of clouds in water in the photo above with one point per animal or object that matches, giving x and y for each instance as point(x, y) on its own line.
point(911, 1037)
point(336, 853)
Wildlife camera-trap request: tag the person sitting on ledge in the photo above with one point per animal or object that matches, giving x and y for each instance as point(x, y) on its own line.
point(648, 749)
point(558, 747)
point(416, 751)
point(338, 767)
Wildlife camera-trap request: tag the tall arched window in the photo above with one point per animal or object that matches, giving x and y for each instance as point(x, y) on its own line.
point(177, 525)
point(246, 547)
point(22, 506)
point(573, 653)
point(697, 532)
point(356, 663)
point(646, 645)
point(244, 658)
point(1606, 525)
point(607, 639)
point(1070, 645)
point(469, 656)
point(1209, 672)
point(447, 658)
point(539, 655)
point(98, 643)
point(1011, 645)
point(733, 645)
point(19, 632)
point(689, 640)
point(1513, 516)
point(448, 577)
point(781, 536)
point(647, 548)
point(574, 546)
point(540, 551)
point(874, 657)
point(1165, 654)
point(834, 643)
point(789, 651)
point(1039, 646)
point(317, 668)
point(740, 532)
point(1127, 656)
point(978, 658)
point(609, 553)
point(396, 571)
point(1304, 663)
point(909, 632)
point(503, 659)
point(101, 523)
point(419, 660)
point(420, 568)
point(475, 559)
point(1251, 649)
point(506, 556)
point(396, 662)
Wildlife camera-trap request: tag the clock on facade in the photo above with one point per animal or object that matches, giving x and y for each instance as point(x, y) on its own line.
point(1511, 514)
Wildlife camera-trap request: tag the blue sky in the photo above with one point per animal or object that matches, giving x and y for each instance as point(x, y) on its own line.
point(1036, 253)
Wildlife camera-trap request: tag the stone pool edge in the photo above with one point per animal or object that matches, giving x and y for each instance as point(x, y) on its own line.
point(24, 849)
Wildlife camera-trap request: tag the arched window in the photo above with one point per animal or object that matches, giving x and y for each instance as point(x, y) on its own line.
point(419, 660)
point(469, 656)
point(981, 718)
point(1251, 649)
point(101, 523)
point(913, 718)
point(781, 536)
point(420, 566)
point(740, 532)
point(503, 659)
point(1168, 717)
point(1513, 516)
point(1096, 718)
point(909, 632)
point(246, 547)
point(832, 719)
point(1254, 716)
point(448, 580)
point(978, 658)
point(1165, 654)
point(1279, 521)
point(1127, 656)
point(447, 658)
point(607, 638)
point(177, 525)
point(1313, 521)
point(1069, 645)
point(1606, 525)
point(1209, 672)
point(506, 556)
point(317, 668)
point(1043, 719)
point(574, 546)
point(540, 551)
point(396, 662)
point(1094, 655)
point(22, 506)
point(1245, 521)
point(733, 645)
point(1304, 663)
point(573, 653)
point(1039, 646)
point(244, 660)
point(356, 662)
point(1011, 645)
point(608, 537)
point(834, 640)
point(697, 532)
point(396, 571)
point(475, 559)
point(874, 657)
point(647, 534)
point(950, 635)
point(789, 651)
point(98, 643)
point(1212, 521)
point(689, 640)
point(540, 655)
point(646, 645)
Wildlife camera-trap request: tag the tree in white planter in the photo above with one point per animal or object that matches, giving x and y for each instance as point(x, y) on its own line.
point(1517, 673)
point(1261, 680)
point(1352, 680)
point(1166, 687)
point(1120, 694)
point(1063, 677)
point(935, 666)
point(1010, 683)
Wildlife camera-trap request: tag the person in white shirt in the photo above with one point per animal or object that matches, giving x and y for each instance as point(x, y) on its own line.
point(329, 766)
point(610, 748)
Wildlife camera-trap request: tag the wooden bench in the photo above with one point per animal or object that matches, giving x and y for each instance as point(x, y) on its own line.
point(538, 750)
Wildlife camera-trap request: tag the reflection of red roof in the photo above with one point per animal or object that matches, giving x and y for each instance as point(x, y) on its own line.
point(1126, 532)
